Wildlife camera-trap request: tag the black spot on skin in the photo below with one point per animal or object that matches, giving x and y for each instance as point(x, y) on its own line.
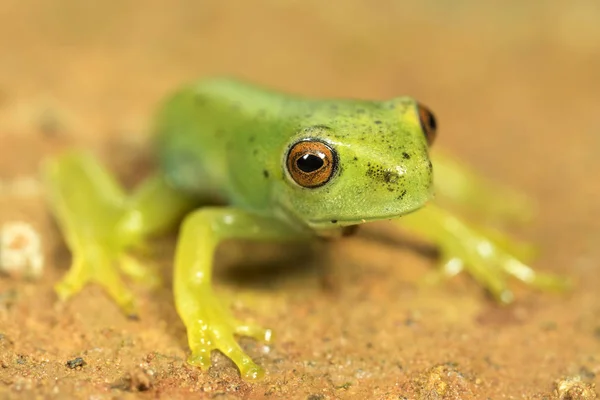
point(387, 176)
point(406, 156)
point(334, 221)
point(266, 174)
point(402, 194)
point(355, 158)
point(377, 122)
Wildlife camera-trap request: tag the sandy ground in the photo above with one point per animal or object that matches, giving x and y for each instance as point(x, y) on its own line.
point(516, 89)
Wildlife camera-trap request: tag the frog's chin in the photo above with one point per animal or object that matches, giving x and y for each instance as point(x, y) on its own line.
point(333, 223)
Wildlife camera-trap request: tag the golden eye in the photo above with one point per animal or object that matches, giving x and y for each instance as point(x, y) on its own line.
point(311, 163)
point(428, 123)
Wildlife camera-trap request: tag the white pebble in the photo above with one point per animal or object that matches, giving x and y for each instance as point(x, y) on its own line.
point(20, 250)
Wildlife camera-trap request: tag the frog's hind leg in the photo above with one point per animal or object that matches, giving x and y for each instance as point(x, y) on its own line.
point(457, 184)
point(100, 222)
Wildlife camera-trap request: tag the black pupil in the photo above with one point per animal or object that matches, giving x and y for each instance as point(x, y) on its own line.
point(309, 163)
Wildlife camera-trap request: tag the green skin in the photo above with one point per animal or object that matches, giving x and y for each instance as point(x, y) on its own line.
point(222, 146)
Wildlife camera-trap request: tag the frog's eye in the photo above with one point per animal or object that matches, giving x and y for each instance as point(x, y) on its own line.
point(311, 163)
point(428, 123)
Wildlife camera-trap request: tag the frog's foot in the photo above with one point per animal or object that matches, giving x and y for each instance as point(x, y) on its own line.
point(99, 266)
point(210, 326)
point(488, 256)
point(489, 260)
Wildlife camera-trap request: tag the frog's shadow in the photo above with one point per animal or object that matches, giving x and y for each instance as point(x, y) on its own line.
point(272, 264)
point(274, 267)
point(266, 266)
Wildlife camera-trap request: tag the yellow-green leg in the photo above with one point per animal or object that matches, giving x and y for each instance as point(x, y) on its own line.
point(487, 259)
point(461, 186)
point(99, 223)
point(210, 326)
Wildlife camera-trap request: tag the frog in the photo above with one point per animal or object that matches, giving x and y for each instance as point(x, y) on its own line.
point(237, 160)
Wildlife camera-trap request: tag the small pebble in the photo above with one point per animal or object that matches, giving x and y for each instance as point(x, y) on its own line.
point(20, 250)
point(76, 362)
point(572, 388)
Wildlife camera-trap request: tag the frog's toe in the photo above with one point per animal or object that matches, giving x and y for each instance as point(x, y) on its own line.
point(446, 270)
point(253, 373)
point(502, 294)
point(146, 275)
point(491, 265)
point(552, 282)
point(72, 283)
point(200, 357)
point(254, 331)
point(100, 270)
point(491, 277)
point(529, 276)
point(248, 368)
point(206, 337)
point(117, 290)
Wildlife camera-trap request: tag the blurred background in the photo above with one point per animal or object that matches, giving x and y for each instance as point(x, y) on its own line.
point(515, 86)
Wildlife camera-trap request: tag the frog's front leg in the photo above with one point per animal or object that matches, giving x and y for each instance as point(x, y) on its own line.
point(484, 257)
point(100, 222)
point(210, 326)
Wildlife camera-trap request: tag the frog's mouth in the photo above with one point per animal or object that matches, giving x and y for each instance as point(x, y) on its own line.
point(333, 223)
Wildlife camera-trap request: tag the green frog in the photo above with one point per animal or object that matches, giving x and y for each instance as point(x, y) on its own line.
point(238, 161)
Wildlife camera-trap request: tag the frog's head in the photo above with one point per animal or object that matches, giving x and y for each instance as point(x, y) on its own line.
point(369, 162)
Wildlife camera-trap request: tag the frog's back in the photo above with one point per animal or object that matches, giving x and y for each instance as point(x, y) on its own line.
point(199, 129)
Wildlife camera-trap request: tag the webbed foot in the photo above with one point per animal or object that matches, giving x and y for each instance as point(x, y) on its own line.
point(489, 258)
point(211, 326)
